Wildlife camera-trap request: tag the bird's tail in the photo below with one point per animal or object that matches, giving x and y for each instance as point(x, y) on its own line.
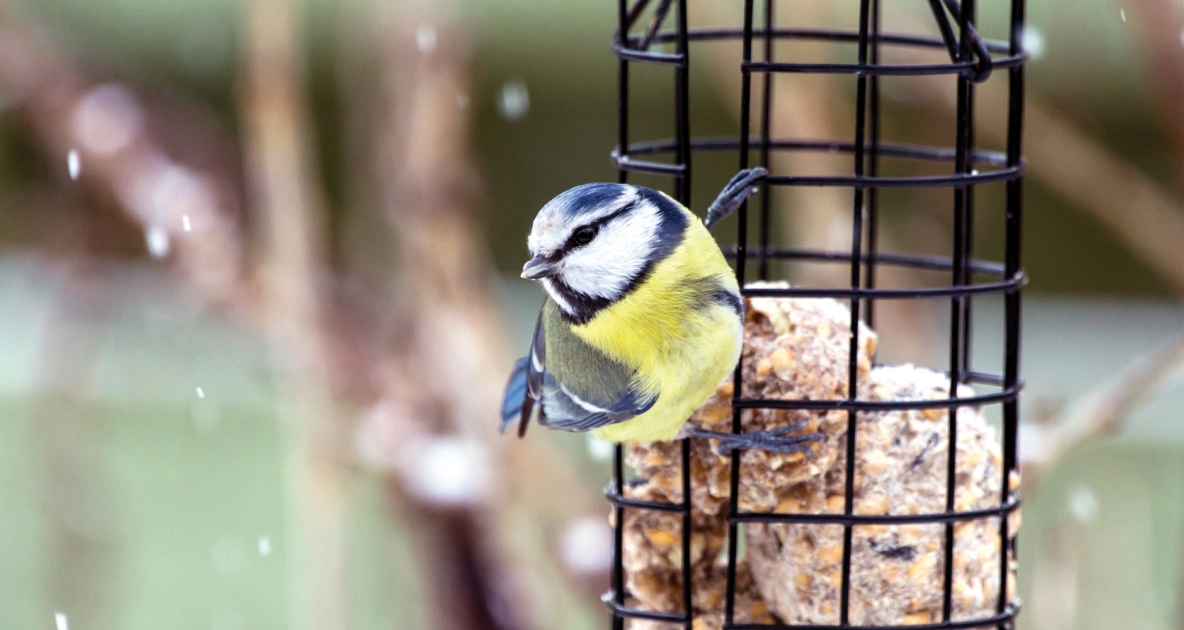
point(515, 397)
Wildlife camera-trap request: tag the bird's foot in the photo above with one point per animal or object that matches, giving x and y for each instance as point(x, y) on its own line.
point(774, 440)
point(733, 195)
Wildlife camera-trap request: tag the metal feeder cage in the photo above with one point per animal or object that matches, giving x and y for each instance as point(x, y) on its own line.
point(971, 60)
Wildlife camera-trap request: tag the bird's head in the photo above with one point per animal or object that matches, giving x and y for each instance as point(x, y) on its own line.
point(595, 243)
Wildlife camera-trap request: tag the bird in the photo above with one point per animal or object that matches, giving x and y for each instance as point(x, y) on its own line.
point(642, 320)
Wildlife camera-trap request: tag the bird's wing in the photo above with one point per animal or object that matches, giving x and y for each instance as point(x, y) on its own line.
point(579, 387)
point(582, 387)
point(525, 387)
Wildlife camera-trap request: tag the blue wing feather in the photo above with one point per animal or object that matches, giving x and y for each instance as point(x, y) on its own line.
point(600, 392)
point(515, 396)
point(525, 387)
point(567, 412)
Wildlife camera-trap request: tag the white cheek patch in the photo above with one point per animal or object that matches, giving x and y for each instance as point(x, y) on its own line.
point(563, 304)
point(606, 266)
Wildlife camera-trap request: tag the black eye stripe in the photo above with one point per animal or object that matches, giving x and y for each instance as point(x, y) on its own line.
point(595, 225)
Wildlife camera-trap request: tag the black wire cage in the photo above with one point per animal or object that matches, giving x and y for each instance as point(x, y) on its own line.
point(666, 40)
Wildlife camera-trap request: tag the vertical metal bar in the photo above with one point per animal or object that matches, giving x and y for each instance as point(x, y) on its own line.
point(853, 347)
point(1011, 301)
point(683, 134)
point(970, 16)
point(622, 92)
point(957, 303)
point(968, 248)
point(618, 575)
point(766, 137)
point(943, 25)
point(622, 116)
point(873, 168)
point(618, 579)
point(688, 604)
point(682, 107)
point(741, 256)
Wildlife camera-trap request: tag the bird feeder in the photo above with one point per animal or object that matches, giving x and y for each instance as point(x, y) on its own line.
point(905, 516)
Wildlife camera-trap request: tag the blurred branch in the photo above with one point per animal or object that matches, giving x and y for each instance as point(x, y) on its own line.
point(189, 211)
point(443, 306)
point(281, 170)
point(1066, 159)
point(1115, 192)
point(452, 362)
point(1103, 410)
point(1162, 26)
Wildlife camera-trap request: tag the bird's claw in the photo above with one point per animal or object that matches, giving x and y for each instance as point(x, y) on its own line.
point(739, 189)
point(773, 440)
point(772, 443)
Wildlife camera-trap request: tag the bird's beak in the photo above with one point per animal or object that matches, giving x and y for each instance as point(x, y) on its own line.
point(537, 268)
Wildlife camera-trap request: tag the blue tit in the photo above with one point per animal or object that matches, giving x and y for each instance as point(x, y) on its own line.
point(643, 318)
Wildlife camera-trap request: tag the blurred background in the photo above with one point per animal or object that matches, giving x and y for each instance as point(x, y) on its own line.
point(259, 295)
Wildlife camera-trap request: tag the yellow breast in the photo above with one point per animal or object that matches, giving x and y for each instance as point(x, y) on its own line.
point(681, 345)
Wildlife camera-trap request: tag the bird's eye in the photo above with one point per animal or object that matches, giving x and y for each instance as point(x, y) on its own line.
point(584, 235)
